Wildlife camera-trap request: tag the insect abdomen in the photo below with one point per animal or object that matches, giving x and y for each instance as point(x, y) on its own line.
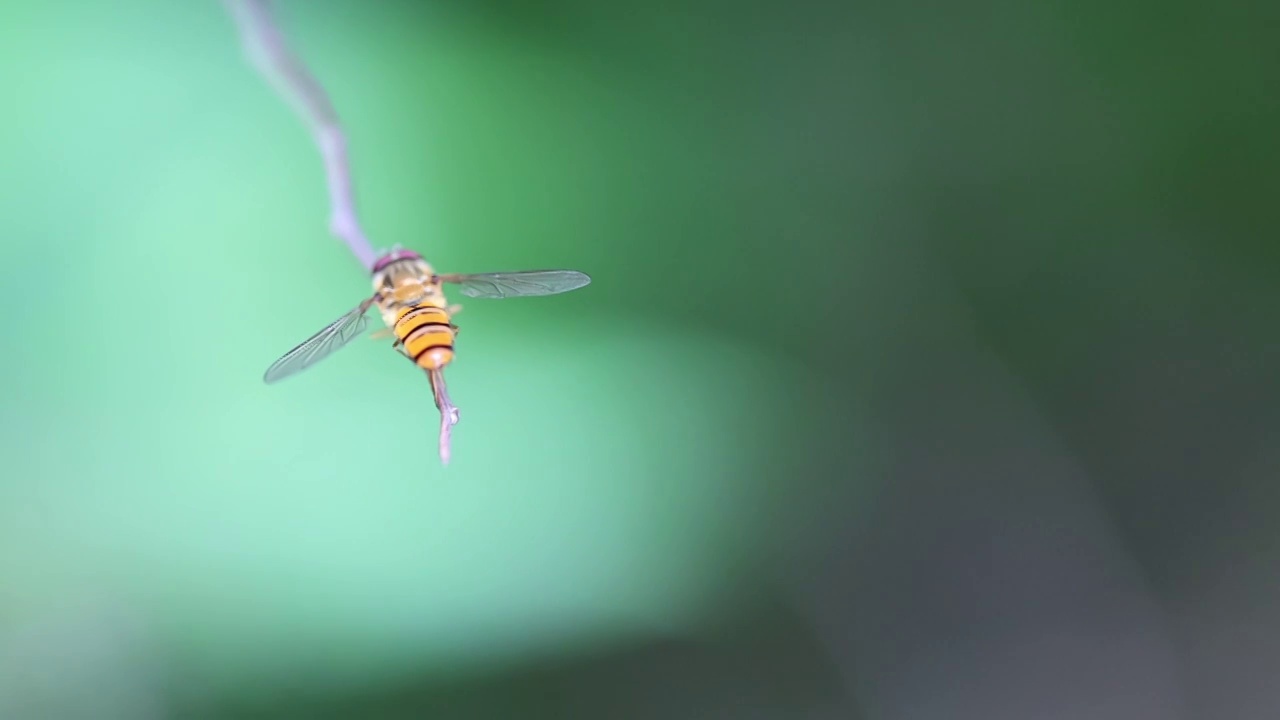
point(426, 335)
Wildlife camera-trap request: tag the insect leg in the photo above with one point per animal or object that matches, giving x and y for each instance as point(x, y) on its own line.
point(453, 310)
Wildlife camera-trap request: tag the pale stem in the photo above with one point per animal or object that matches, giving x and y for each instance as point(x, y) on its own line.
point(448, 411)
point(268, 50)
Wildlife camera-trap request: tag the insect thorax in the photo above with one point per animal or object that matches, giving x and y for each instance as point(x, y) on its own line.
point(404, 284)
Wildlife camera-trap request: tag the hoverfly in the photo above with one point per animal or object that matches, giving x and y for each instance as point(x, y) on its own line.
point(410, 296)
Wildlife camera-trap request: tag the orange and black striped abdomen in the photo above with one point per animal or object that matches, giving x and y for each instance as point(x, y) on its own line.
point(426, 335)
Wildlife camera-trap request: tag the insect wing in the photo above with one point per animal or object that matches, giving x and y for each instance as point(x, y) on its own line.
point(518, 284)
point(319, 346)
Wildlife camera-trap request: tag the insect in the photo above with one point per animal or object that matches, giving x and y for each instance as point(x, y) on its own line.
point(409, 294)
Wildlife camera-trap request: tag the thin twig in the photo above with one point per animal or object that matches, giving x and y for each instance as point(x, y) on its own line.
point(448, 412)
point(268, 50)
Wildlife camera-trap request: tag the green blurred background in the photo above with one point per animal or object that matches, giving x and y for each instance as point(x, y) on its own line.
point(928, 369)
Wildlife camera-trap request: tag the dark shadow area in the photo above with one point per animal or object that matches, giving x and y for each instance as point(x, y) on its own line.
point(763, 665)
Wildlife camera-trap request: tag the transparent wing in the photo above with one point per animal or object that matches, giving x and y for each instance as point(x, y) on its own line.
point(518, 284)
point(319, 346)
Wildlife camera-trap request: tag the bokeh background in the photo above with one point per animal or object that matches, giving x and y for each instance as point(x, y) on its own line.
point(929, 369)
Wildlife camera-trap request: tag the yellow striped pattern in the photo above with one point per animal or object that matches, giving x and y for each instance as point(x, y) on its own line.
point(426, 334)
